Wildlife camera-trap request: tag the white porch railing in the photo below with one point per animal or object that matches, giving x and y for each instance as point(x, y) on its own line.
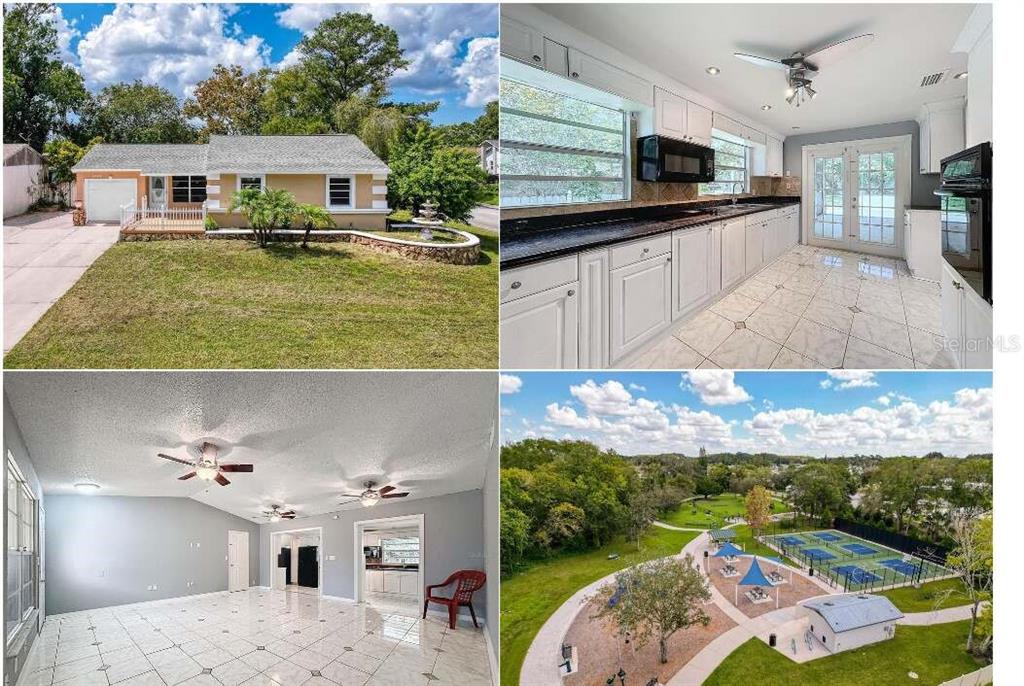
point(161, 218)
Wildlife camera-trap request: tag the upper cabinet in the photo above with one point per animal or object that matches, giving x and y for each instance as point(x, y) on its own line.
point(773, 157)
point(679, 118)
point(941, 132)
point(520, 42)
point(730, 125)
point(594, 72)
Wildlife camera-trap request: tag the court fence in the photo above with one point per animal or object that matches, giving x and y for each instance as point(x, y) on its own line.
point(905, 544)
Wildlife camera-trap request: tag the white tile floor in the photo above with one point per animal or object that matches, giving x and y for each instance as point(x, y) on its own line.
point(256, 638)
point(813, 308)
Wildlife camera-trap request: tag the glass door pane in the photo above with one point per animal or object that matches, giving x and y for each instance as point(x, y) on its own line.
point(828, 197)
point(876, 197)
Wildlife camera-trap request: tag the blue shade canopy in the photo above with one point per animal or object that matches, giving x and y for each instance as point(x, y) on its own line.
point(754, 576)
point(728, 550)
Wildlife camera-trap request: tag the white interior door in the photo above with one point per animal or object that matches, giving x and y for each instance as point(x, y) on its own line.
point(238, 560)
point(856, 192)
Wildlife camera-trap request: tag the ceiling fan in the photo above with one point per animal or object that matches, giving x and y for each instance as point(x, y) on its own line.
point(371, 496)
point(275, 514)
point(801, 67)
point(206, 467)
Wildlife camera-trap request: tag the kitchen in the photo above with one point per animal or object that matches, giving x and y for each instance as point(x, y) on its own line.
point(391, 563)
point(686, 199)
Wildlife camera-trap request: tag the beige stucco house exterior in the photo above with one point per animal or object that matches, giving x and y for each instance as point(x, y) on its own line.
point(335, 171)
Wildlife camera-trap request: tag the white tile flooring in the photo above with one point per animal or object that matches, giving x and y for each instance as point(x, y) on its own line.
point(813, 308)
point(256, 638)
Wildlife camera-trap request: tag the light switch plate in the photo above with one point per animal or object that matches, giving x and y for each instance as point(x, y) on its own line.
point(332, 557)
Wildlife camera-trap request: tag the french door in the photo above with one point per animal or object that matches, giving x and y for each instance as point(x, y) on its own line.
point(855, 193)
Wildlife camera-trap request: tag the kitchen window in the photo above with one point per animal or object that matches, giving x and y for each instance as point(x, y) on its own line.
point(401, 551)
point(251, 181)
point(20, 584)
point(557, 150)
point(188, 189)
point(732, 165)
point(339, 191)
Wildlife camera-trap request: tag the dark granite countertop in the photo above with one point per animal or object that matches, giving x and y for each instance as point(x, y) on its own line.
point(526, 241)
point(392, 568)
point(922, 207)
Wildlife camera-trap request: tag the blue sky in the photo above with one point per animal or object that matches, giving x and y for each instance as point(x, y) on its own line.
point(452, 48)
point(814, 413)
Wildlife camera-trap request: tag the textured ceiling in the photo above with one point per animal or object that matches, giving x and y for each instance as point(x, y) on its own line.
point(876, 85)
point(311, 436)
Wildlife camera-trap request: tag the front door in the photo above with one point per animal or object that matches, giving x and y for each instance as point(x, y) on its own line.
point(238, 560)
point(856, 192)
point(158, 192)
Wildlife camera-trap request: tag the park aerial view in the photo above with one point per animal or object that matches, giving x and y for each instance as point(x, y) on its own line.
point(710, 527)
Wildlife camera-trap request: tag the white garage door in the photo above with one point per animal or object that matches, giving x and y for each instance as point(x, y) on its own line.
point(104, 198)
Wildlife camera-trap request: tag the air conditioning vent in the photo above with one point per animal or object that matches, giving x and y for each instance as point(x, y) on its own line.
point(934, 79)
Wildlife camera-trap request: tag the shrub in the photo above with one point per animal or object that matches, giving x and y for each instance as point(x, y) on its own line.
point(210, 224)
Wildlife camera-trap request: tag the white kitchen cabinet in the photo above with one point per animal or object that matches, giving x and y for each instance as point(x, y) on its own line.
point(753, 135)
point(977, 331)
point(670, 114)
point(520, 42)
point(754, 252)
point(727, 124)
point(691, 269)
point(951, 304)
point(593, 308)
point(715, 263)
point(733, 252)
point(556, 57)
point(941, 132)
point(540, 331)
point(599, 74)
point(698, 123)
point(641, 303)
point(371, 539)
point(374, 581)
point(391, 580)
point(922, 237)
point(773, 157)
point(408, 583)
point(793, 226)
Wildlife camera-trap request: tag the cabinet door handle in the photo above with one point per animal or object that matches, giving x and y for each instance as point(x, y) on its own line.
point(571, 293)
point(516, 284)
point(668, 259)
point(536, 58)
point(957, 285)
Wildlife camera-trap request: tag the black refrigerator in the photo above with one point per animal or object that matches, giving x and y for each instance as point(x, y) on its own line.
point(309, 570)
point(284, 559)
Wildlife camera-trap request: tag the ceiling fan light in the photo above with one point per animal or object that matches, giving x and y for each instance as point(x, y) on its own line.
point(206, 473)
point(790, 92)
point(810, 91)
point(274, 518)
point(369, 499)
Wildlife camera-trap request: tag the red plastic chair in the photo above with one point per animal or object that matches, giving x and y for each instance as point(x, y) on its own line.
point(467, 582)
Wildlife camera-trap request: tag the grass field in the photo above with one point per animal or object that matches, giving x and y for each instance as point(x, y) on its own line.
point(936, 653)
point(230, 304)
point(930, 596)
point(707, 514)
point(853, 563)
point(529, 597)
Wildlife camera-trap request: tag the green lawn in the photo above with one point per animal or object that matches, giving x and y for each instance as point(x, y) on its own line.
point(529, 597)
point(222, 304)
point(910, 599)
point(936, 653)
point(488, 194)
point(694, 513)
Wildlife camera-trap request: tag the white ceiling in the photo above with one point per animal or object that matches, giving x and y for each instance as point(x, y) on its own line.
point(877, 85)
point(311, 436)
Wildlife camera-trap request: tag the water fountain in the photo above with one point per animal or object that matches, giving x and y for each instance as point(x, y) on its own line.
point(426, 219)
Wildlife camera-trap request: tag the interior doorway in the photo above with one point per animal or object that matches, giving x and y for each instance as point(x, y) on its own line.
point(854, 193)
point(295, 560)
point(389, 561)
point(238, 560)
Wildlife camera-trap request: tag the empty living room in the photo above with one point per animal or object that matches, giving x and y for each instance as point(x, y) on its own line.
point(265, 528)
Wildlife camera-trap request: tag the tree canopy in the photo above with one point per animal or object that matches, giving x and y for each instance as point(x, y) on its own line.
point(136, 113)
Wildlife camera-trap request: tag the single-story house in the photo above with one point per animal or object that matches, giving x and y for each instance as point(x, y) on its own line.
point(23, 174)
point(845, 622)
point(488, 154)
point(335, 171)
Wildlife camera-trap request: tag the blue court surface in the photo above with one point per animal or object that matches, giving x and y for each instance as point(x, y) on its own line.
point(827, 536)
point(860, 549)
point(818, 554)
point(856, 574)
point(904, 568)
point(792, 540)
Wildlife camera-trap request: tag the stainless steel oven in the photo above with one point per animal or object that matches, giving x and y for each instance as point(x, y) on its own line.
point(966, 214)
point(660, 158)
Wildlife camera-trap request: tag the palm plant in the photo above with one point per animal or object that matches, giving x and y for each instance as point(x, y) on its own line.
point(266, 211)
point(313, 217)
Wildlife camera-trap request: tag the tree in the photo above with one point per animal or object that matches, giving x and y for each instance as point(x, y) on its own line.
point(971, 561)
point(708, 487)
point(758, 508)
point(470, 134)
point(350, 53)
point(422, 169)
point(820, 488)
point(563, 526)
point(266, 211)
point(515, 536)
point(656, 598)
point(641, 510)
point(136, 113)
point(61, 155)
point(293, 96)
point(40, 91)
point(230, 102)
point(899, 484)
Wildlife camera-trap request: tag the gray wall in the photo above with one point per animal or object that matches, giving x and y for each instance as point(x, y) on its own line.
point(921, 185)
point(453, 533)
point(492, 544)
point(105, 550)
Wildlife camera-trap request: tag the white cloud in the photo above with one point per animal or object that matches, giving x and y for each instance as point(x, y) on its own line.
point(637, 387)
point(849, 378)
point(566, 416)
point(883, 400)
point(431, 36)
point(509, 383)
point(66, 32)
point(715, 387)
point(173, 45)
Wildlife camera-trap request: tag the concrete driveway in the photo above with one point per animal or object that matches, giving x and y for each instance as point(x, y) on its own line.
point(44, 255)
point(485, 216)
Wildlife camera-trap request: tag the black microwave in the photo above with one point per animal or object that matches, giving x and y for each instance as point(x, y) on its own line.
point(660, 158)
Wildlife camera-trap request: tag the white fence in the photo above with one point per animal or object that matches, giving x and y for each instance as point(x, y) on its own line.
point(162, 218)
point(23, 185)
point(977, 678)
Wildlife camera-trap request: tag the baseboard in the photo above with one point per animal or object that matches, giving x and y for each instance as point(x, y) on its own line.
point(463, 617)
point(492, 657)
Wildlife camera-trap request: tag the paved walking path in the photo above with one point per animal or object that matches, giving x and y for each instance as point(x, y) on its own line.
point(945, 616)
point(44, 256)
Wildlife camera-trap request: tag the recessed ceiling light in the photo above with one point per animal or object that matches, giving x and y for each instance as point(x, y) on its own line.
point(86, 488)
point(961, 75)
point(714, 71)
point(766, 107)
